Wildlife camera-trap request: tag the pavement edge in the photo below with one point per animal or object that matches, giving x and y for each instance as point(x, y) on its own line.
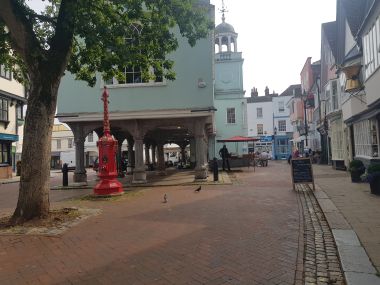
point(356, 265)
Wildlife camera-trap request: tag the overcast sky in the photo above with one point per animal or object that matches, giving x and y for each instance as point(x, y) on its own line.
point(275, 37)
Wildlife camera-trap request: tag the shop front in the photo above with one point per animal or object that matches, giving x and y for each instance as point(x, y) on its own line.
point(6, 154)
point(282, 147)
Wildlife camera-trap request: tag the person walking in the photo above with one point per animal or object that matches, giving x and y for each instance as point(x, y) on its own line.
point(223, 152)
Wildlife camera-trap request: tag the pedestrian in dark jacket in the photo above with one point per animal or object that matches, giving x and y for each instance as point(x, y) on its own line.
point(223, 152)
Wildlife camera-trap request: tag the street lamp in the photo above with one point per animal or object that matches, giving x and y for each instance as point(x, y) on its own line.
point(304, 99)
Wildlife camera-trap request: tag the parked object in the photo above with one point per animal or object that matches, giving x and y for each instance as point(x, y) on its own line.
point(68, 157)
point(65, 176)
point(96, 164)
point(373, 178)
point(356, 169)
point(215, 169)
point(18, 168)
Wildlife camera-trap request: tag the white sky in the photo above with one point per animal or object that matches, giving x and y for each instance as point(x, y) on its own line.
point(275, 37)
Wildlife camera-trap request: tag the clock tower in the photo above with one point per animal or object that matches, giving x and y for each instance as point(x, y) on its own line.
point(231, 117)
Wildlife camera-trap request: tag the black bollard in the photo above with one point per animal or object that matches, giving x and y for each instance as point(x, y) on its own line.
point(215, 169)
point(65, 176)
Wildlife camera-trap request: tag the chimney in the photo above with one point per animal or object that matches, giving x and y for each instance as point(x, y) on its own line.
point(266, 91)
point(254, 92)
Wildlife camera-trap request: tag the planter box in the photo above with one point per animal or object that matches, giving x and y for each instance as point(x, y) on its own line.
point(355, 175)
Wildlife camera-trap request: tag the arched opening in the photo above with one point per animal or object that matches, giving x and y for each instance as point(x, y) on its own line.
point(176, 150)
point(233, 45)
point(91, 150)
point(224, 44)
point(172, 153)
point(216, 48)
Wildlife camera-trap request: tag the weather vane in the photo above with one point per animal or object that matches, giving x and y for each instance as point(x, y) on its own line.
point(223, 10)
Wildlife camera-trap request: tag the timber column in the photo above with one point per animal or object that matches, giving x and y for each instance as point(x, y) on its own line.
point(200, 153)
point(80, 175)
point(131, 158)
point(139, 173)
point(161, 159)
point(154, 153)
point(120, 138)
point(147, 154)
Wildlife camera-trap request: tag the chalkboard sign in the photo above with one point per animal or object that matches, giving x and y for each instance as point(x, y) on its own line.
point(302, 171)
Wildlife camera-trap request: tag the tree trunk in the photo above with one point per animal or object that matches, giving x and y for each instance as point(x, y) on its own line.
point(33, 200)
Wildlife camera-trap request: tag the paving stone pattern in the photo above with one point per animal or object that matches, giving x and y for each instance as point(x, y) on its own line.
point(321, 261)
point(244, 234)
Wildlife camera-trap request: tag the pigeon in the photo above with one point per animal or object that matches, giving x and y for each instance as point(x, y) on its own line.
point(165, 198)
point(198, 189)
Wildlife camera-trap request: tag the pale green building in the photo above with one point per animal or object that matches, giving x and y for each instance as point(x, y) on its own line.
point(151, 114)
point(231, 117)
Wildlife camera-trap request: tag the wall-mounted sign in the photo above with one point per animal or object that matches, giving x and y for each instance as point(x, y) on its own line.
point(9, 137)
point(266, 138)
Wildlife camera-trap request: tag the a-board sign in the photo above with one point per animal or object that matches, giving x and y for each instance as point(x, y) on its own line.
point(302, 171)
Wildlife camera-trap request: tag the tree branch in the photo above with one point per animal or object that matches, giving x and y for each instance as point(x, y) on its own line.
point(23, 39)
point(62, 40)
point(43, 18)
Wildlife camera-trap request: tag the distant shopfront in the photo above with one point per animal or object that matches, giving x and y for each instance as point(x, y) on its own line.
point(263, 144)
point(6, 154)
point(282, 146)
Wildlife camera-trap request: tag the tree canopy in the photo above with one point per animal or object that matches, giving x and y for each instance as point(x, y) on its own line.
point(98, 35)
point(83, 37)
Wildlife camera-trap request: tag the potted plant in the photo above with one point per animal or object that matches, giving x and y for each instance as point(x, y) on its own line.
point(374, 178)
point(356, 168)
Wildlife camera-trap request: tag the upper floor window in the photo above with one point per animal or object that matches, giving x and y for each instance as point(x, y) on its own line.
point(19, 112)
point(131, 74)
point(371, 42)
point(4, 153)
point(281, 106)
point(3, 109)
point(231, 118)
point(282, 126)
point(90, 137)
point(334, 95)
point(328, 100)
point(58, 144)
point(5, 72)
point(134, 75)
point(260, 129)
point(259, 112)
point(70, 143)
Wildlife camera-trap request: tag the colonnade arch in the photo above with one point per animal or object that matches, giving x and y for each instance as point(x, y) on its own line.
point(147, 136)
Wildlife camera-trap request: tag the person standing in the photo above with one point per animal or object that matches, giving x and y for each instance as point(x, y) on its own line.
point(223, 152)
point(296, 153)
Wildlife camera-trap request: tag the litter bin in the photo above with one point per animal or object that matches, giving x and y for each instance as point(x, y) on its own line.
point(65, 175)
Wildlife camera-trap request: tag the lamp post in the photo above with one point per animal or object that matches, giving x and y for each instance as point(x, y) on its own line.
point(304, 99)
point(275, 142)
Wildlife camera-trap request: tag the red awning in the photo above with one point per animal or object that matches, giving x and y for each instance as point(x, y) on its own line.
point(240, 139)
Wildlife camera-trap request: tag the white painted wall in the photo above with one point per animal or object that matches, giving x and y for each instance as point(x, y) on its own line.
point(266, 119)
point(282, 115)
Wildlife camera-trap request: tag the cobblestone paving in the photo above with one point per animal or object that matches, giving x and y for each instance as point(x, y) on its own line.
point(321, 261)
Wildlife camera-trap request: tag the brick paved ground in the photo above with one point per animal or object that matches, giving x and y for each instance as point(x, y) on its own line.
point(9, 191)
point(246, 233)
point(360, 208)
